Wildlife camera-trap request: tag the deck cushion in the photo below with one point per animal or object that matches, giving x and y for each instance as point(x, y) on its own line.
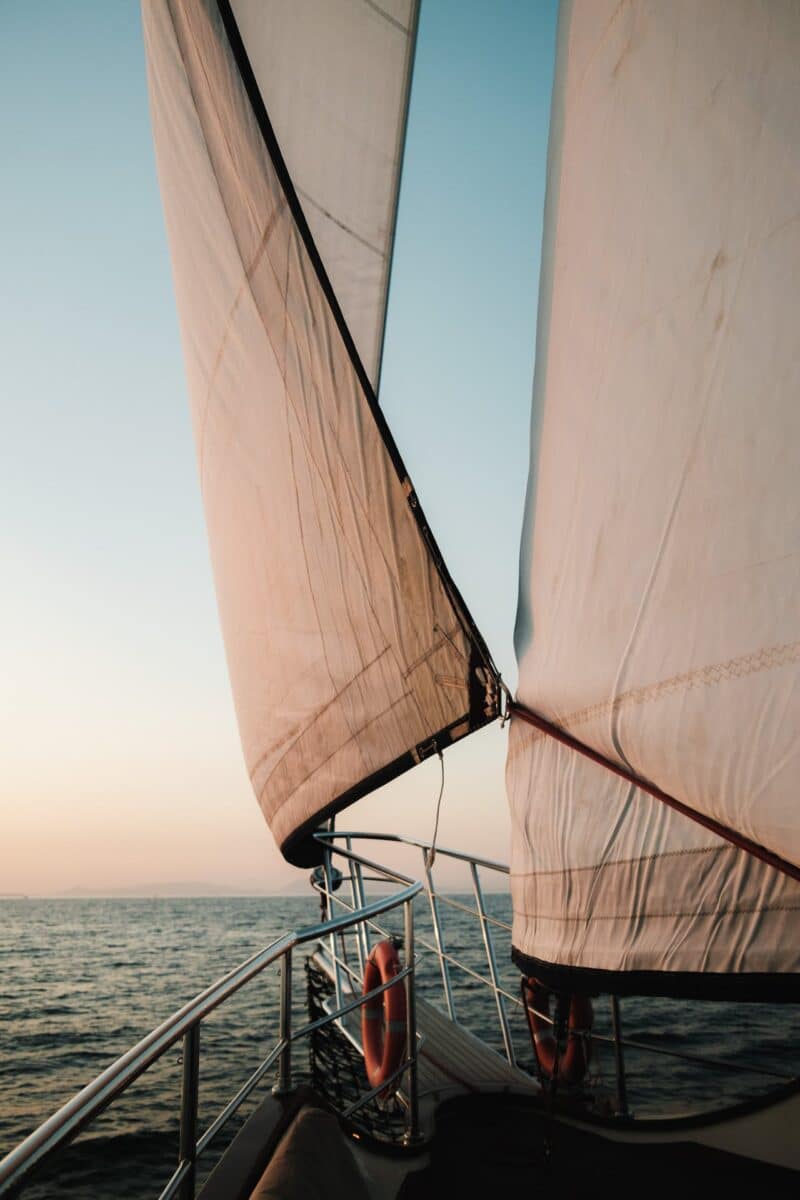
point(313, 1161)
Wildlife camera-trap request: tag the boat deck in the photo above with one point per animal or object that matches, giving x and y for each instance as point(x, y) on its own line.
point(451, 1059)
point(492, 1145)
point(486, 1131)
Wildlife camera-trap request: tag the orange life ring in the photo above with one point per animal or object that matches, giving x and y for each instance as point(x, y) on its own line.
point(574, 1062)
point(383, 1018)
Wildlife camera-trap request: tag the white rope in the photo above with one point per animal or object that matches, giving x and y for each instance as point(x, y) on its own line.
point(430, 857)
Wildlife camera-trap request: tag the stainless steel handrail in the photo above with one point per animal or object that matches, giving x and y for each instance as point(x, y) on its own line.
point(446, 960)
point(87, 1104)
point(491, 864)
point(83, 1108)
point(330, 839)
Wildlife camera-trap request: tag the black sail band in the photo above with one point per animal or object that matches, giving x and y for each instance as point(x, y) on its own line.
point(740, 986)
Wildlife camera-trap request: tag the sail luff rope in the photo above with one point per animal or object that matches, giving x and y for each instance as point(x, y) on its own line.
point(739, 840)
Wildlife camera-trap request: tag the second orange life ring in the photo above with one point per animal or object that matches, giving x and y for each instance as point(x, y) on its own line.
point(574, 1062)
point(383, 1018)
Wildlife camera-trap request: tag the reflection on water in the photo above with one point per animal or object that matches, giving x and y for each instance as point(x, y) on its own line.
point(82, 980)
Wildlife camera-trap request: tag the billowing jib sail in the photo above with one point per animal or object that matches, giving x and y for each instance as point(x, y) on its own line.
point(278, 131)
point(659, 616)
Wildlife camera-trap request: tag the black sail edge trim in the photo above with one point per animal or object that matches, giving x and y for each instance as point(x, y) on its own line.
point(262, 117)
point(763, 987)
point(300, 848)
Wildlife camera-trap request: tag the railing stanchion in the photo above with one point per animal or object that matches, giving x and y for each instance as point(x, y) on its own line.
point(363, 926)
point(437, 933)
point(355, 896)
point(619, 1059)
point(283, 1084)
point(337, 974)
point(490, 958)
point(412, 1133)
point(190, 1086)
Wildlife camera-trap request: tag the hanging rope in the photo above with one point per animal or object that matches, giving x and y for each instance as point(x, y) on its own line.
point(430, 857)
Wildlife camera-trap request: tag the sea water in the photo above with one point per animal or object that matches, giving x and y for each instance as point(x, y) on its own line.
point(83, 980)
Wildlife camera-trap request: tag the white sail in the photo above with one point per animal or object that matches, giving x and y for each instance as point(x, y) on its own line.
point(659, 614)
point(334, 77)
point(350, 654)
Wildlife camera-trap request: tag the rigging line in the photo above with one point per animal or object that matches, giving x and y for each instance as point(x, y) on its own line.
point(730, 835)
point(430, 856)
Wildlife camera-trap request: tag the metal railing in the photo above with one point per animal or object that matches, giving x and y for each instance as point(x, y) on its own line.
point(54, 1134)
point(358, 919)
point(331, 841)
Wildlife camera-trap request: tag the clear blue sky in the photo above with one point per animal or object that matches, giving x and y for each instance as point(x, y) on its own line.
point(120, 758)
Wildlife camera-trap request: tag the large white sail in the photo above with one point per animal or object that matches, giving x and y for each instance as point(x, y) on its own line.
point(334, 76)
point(350, 653)
point(659, 615)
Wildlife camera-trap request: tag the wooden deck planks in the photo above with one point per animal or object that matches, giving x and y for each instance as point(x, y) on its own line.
point(451, 1057)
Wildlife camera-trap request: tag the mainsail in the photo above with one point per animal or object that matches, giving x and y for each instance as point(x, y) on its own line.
point(278, 132)
point(659, 620)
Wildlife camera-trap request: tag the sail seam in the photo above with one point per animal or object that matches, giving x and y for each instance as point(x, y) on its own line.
point(244, 286)
point(769, 658)
point(624, 862)
point(320, 714)
point(650, 915)
point(290, 411)
point(354, 736)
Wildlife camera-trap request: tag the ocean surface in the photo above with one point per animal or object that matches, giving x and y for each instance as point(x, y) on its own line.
point(82, 980)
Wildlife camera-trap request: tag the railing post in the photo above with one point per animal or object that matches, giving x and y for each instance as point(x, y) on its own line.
point(283, 1084)
point(489, 947)
point(619, 1059)
point(437, 933)
point(356, 897)
point(337, 973)
point(189, 1090)
point(362, 900)
point(412, 1133)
